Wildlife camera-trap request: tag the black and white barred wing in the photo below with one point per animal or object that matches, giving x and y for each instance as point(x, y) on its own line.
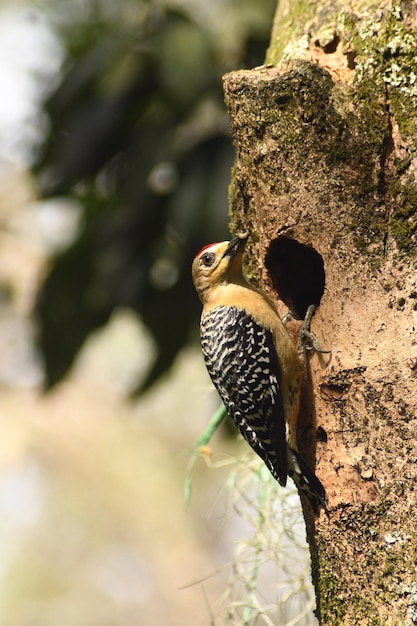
point(243, 364)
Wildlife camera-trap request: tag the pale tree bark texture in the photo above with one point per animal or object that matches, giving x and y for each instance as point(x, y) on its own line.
point(325, 178)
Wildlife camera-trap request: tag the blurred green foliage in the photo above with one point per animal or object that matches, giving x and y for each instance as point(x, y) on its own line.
point(139, 137)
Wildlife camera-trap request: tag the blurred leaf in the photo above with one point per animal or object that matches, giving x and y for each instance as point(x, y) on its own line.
point(70, 306)
point(139, 136)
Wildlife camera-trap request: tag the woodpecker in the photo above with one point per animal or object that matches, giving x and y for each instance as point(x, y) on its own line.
point(253, 362)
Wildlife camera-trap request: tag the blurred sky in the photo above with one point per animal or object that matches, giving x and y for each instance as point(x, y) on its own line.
point(30, 59)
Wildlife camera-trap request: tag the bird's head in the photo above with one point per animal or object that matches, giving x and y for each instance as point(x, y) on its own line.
point(218, 263)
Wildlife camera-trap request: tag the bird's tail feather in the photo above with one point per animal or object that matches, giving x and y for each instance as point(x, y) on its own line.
point(307, 482)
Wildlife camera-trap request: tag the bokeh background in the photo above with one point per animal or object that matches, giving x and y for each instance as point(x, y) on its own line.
point(115, 159)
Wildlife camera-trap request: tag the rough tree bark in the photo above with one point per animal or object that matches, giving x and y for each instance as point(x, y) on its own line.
point(325, 178)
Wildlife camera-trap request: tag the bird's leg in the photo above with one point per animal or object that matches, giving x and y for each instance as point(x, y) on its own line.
point(308, 341)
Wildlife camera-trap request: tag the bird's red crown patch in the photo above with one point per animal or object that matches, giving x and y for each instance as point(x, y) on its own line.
point(205, 248)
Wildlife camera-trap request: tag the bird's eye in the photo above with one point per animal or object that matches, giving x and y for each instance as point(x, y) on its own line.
point(207, 259)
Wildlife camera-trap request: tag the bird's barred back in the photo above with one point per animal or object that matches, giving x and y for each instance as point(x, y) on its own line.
point(242, 363)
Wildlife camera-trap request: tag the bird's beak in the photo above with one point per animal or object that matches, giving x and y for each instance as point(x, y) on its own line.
point(236, 244)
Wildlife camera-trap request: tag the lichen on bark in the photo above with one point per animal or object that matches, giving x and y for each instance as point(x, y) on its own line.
point(372, 48)
point(326, 138)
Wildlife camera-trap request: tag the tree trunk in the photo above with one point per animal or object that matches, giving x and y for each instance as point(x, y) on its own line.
point(325, 173)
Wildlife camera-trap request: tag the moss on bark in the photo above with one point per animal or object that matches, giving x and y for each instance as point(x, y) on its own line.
point(326, 156)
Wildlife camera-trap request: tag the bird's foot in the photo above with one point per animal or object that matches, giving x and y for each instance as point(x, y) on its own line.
point(307, 341)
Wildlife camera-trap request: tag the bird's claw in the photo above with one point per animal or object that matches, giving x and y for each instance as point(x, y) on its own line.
point(308, 341)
